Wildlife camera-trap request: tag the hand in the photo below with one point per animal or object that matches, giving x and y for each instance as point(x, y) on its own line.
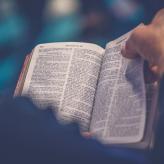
point(147, 41)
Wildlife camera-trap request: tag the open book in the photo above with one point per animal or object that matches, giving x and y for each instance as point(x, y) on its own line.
point(103, 91)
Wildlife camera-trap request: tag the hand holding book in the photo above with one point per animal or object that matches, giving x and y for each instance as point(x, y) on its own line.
point(147, 41)
point(97, 87)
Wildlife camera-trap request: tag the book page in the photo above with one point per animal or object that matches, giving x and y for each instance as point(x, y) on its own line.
point(64, 76)
point(152, 114)
point(120, 104)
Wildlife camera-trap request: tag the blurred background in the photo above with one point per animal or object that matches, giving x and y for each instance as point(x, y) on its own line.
point(25, 23)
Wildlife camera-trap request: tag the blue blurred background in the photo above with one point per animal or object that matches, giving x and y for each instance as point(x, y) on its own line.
point(25, 23)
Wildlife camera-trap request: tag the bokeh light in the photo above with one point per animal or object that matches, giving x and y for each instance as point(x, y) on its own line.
point(23, 24)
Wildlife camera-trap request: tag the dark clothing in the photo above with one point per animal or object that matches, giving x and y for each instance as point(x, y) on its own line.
point(32, 136)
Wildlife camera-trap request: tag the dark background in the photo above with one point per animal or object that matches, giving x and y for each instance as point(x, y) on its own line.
point(25, 23)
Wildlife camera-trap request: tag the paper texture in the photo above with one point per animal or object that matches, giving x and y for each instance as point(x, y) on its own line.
point(64, 76)
point(120, 109)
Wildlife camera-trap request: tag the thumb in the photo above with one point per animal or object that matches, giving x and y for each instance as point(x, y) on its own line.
point(136, 43)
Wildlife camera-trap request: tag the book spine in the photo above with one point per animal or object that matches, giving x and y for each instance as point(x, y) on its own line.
point(21, 79)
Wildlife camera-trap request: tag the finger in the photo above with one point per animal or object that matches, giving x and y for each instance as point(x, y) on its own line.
point(135, 43)
point(87, 134)
point(128, 50)
point(157, 71)
point(149, 75)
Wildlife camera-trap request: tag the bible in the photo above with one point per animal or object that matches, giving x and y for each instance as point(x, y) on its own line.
point(99, 88)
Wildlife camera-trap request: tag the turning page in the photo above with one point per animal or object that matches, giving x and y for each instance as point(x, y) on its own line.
point(64, 76)
point(120, 104)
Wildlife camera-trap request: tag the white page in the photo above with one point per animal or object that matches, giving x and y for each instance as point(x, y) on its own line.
point(64, 76)
point(120, 105)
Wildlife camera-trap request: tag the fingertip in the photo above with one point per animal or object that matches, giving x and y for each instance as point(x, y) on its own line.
point(156, 70)
point(150, 75)
point(87, 134)
point(127, 52)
